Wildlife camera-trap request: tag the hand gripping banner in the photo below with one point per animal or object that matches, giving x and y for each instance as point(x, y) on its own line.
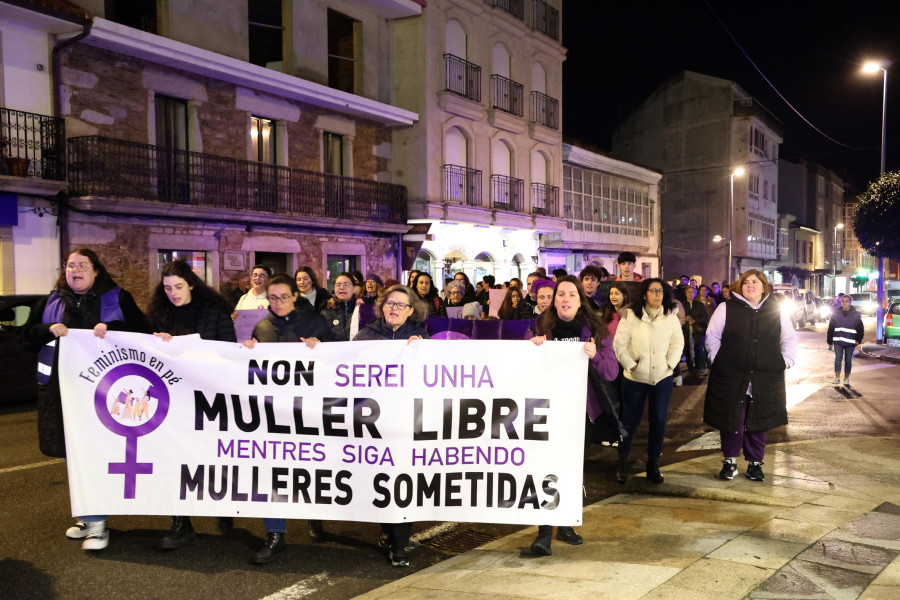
point(434, 430)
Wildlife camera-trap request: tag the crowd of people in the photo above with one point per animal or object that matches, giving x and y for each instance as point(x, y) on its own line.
point(634, 331)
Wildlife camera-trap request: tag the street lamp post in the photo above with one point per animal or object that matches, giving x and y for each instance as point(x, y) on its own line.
point(834, 262)
point(874, 67)
point(738, 172)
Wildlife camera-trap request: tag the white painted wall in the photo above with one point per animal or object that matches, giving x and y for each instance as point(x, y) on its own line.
point(538, 168)
point(500, 60)
point(36, 254)
point(25, 87)
point(538, 78)
point(455, 148)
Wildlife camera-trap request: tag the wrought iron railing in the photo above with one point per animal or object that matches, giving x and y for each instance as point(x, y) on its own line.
point(461, 185)
point(507, 94)
point(100, 166)
point(32, 144)
point(544, 200)
point(545, 18)
point(462, 77)
point(507, 193)
point(544, 110)
point(514, 7)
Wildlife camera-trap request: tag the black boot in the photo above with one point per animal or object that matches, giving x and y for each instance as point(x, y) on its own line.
point(541, 544)
point(274, 545)
point(653, 473)
point(180, 535)
point(569, 536)
point(622, 470)
point(316, 531)
point(225, 524)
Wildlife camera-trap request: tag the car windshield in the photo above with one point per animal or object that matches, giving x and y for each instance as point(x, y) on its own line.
point(861, 297)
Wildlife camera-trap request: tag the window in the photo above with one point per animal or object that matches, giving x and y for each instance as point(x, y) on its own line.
point(765, 190)
point(753, 186)
point(275, 262)
point(602, 203)
point(342, 52)
point(758, 142)
point(266, 31)
point(333, 153)
point(760, 235)
point(774, 195)
point(337, 264)
point(262, 135)
point(140, 14)
point(172, 159)
point(196, 259)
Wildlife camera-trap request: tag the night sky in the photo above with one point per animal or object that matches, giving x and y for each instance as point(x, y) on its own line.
point(619, 51)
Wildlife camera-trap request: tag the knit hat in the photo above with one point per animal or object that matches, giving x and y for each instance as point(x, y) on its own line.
point(375, 278)
point(472, 309)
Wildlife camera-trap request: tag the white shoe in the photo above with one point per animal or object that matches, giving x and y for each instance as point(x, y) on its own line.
point(847, 381)
point(678, 381)
point(97, 537)
point(837, 381)
point(77, 531)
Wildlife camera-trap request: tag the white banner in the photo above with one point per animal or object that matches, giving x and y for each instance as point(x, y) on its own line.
point(436, 430)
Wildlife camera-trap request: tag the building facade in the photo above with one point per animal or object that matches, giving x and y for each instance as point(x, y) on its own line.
point(718, 149)
point(483, 163)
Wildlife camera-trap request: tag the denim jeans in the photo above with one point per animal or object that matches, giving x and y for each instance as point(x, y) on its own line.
point(634, 396)
point(275, 525)
point(847, 352)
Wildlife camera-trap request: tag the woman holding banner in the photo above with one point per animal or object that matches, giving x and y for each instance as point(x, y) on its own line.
point(85, 297)
point(400, 317)
point(571, 319)
point(289, 321)
point(338, 312)
point(183, 305)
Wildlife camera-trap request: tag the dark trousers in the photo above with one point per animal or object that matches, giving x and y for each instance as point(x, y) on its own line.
point(847, 353)
point(634, 396)
point(398, 535)
point(753, 443)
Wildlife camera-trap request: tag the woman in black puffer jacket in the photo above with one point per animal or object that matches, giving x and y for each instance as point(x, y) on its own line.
point(338, 311)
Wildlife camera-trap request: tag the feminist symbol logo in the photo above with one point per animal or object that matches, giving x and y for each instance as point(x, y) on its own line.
point(109, 389)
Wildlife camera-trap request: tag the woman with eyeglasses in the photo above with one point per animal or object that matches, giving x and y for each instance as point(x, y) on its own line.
point(85, 297)
point(290, 320)
point(648, 344)
point(183, 305)
point(338, 312)
point(400, 316)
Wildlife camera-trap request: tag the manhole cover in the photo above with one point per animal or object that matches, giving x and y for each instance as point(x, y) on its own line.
point(460, 541)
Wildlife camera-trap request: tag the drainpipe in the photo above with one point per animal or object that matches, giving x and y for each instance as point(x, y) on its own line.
point(62, 219)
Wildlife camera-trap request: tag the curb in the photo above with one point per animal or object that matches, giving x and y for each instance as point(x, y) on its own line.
point(882, 357)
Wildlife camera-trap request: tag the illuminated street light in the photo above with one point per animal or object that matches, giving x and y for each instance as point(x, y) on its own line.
point(874, 67)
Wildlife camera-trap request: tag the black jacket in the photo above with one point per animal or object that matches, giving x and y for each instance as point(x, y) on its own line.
point(338, 317)
point(208, 319)
point(380, 330)
point(750, 354)
point(81, 312)
point(434, 304)
point(700, 315)
point(302, 322)
point(322, 297)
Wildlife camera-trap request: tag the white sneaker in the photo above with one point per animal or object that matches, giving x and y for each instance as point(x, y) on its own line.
point(847, 381)
point(97, 537)
point(678, 381)
point(837, 381)
point(77, 531)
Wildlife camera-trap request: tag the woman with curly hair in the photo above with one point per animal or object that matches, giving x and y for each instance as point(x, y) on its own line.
point(423, 288)
point(613, 310)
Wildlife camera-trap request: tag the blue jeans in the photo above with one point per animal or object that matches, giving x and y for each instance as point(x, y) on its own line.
point(634, 395)
point(847, 352)
point(275, 525)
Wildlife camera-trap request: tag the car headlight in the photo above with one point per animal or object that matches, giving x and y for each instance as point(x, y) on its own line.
point(867, 306)
point(824, 312)
point(787, 307)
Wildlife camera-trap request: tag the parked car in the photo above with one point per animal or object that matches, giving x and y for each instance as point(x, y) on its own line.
point(823, 309)
point(864, 302)
point(808, 301)
point(791, 303)
point(892, 324)
point(18, 366)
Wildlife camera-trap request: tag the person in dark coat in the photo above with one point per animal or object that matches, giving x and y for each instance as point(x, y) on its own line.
point(400, 316)
point(338, 311)
point(750, 342)
point(290, 320)
point(85, 297)
point(425, 291)
point(183, 305)
point(694, 330)
point(845, 331)
point(571, 318)
point(513, 307)
point(309, 287)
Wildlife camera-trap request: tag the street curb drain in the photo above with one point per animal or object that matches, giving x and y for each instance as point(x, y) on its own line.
point(460, 541)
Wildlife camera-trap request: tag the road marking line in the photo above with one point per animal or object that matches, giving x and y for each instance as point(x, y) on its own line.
point(32, 465)
point(301, 589)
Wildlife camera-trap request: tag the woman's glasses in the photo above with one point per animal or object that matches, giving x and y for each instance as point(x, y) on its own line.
point(397, 305)
point(281, 298)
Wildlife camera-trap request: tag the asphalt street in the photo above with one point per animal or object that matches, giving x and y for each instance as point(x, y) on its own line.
point(39, 562)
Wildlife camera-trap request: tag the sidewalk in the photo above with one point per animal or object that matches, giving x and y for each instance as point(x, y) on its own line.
point(886, 353)
point(825, 524)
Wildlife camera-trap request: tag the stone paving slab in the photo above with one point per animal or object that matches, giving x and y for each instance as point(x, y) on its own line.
point(760, 552)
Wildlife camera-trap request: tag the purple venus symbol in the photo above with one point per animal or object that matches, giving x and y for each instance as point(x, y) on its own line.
point(131, 468)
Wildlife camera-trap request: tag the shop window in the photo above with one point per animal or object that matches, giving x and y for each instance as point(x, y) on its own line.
point(196, 259)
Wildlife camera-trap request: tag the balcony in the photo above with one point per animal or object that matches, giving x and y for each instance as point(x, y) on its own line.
point(545, 18)
point(544, 200)
point(462, 77)
point(461, 185)
point(113, 168)
point(507, 95)
point(514, 7)
point(544, 110)
point(32, 145)
point(507, 193)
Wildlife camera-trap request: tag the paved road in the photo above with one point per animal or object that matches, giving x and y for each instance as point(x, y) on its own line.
point(38, 562)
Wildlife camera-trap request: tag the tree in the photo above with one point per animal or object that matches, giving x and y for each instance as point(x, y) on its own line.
point(878, 217)
point(858, 281)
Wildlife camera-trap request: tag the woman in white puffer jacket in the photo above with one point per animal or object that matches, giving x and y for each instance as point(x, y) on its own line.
point(648, 345)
